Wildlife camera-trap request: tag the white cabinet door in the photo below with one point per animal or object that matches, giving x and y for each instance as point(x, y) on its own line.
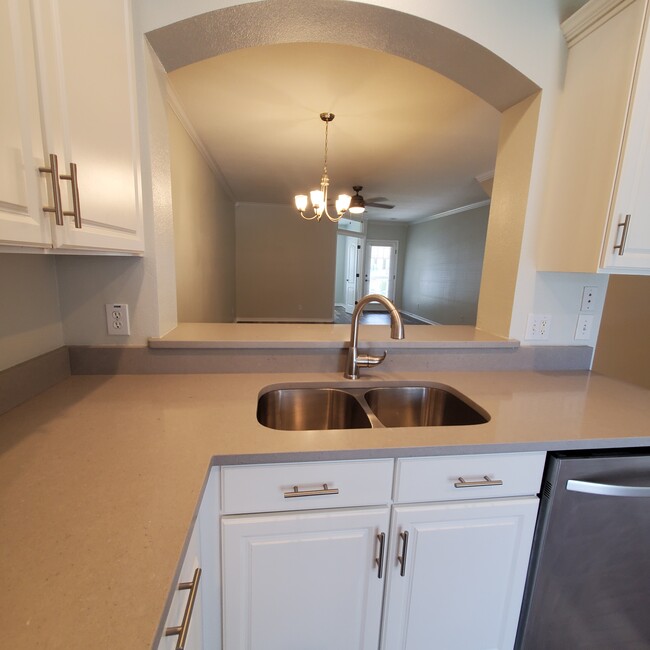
point(303, 581)
point(463, 574)
point(21, 147)
point(628, 243)
point(88, 105)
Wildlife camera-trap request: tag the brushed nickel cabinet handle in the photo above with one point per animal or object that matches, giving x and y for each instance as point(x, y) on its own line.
point(182, 630)
point(310, 493)
point(405, 547)
point(486, 482)
point(53, 170)
point(380, 558)
point(76, 210)
point(626, 226)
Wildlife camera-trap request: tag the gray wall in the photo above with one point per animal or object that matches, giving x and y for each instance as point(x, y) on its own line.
point(204, 234)
point(30, 321)
point(285, 266)
point(442, 273)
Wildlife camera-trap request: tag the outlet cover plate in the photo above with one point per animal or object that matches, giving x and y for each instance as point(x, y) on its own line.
point(538, 327)
point(117, 319)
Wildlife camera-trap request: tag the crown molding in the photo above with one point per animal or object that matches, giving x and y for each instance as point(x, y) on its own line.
point(175, 104)
point(590, 17)
point(449, 213)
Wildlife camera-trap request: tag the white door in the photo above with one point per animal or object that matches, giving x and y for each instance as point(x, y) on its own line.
point(303, 581)
point(85, 55)
point(352, 253)
point(463, 577)
point(21, 147)
point(380, 268)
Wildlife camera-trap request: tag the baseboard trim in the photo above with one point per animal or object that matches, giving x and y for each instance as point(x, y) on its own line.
point(26, 380)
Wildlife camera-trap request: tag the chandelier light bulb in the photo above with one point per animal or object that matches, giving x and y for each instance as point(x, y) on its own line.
point(301, 202)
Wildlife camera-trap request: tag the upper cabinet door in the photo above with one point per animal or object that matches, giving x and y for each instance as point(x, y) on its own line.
point(21, 147)
point(628, 243)
point(85, 56)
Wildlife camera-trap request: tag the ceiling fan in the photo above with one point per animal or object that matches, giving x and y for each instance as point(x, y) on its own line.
point(358, 204)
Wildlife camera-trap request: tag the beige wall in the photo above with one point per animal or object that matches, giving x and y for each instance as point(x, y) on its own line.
point(204, 233)
point(285, 265)
point(30, 323)
point(442, 275)
point(623, 349)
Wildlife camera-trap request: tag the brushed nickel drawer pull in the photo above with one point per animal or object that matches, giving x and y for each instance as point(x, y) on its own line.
point(380, 559)
point(626, 226)
point(76, 210)
point(53, 170)
point(486, 482)
point(182, 630)
point(405, 547)
point(310, 493)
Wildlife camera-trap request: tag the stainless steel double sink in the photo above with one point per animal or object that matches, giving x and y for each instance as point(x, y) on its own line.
point(322, 407)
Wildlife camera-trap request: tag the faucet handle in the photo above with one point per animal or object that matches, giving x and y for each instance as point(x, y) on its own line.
point(367, 360)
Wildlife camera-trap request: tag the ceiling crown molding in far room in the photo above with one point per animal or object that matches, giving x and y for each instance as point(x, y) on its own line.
point(177, 107)
point(589, 17)
point(449, 213)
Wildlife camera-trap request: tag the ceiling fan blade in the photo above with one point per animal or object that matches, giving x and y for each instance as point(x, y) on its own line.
point(377, 199)
point(386, 206)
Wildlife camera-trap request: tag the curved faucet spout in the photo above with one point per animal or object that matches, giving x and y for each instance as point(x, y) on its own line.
point(355, 360)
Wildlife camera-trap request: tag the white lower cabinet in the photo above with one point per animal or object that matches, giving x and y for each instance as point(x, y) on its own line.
point(303, 580)
point(456, 574)
point(421, 554)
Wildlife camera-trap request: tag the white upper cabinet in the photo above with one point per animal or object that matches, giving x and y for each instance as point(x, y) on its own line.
point(597, 203)
point(83, 62)
point(21, 146)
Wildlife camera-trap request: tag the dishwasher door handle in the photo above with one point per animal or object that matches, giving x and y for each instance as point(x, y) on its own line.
point(607, 489)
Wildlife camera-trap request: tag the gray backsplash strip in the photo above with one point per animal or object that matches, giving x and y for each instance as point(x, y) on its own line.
point(90, 360)
point(26, 380)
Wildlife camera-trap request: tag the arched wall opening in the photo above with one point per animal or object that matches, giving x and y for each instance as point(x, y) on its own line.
point(437, 47)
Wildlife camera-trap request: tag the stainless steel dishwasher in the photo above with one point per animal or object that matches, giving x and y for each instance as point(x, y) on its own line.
point(588, 584)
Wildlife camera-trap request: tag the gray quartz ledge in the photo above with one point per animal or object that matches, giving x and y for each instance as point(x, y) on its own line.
point(323, 335)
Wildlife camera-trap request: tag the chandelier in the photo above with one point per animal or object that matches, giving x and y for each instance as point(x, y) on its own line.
point(319, 197)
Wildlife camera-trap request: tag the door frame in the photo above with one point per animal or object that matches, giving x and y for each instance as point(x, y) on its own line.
point(392, 282)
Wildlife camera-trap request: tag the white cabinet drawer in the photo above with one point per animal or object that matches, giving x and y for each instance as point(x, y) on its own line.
point(262, 488)
point(451, 478)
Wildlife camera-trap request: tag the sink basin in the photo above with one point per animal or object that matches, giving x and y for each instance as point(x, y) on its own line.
point(297, 409)
point(421, 406)
point(353, 406)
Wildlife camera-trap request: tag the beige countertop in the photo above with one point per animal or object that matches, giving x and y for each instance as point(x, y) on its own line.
point(100, 476)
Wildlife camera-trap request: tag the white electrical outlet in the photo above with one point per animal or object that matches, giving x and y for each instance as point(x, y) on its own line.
point(588, 302)
point(583, 327)
point(538, 327)
point(117, 319)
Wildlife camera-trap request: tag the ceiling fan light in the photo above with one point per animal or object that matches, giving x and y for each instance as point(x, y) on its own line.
point(301, 202)
point(357, 206)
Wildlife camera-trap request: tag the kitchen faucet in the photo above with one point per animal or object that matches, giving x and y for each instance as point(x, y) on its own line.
point(356, 360)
